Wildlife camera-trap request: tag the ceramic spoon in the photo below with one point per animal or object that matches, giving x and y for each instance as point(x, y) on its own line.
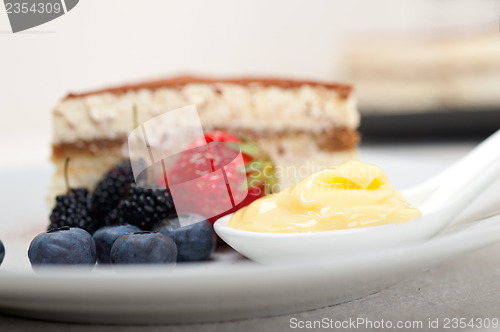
point(486, 151)
point(440, 199)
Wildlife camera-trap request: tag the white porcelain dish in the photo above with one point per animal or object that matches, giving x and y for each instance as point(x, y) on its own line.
point(229, 288)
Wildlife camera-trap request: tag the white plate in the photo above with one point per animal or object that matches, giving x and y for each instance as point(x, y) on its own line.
point(227, 288)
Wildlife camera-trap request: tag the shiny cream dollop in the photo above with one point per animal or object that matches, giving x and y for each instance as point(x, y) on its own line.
point(350, 195)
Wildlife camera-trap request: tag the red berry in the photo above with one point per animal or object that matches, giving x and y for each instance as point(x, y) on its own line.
point(213, 194)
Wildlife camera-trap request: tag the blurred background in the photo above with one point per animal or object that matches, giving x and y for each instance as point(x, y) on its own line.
point(420, 67)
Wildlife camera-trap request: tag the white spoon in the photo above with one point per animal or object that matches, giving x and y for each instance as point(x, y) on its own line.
point(440, 199)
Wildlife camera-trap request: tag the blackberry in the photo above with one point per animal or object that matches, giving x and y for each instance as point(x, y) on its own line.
point(112, 189)
point(73, 208)
point(143, 207)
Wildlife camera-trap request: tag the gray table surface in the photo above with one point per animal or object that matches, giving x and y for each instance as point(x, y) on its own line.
point(466, 287)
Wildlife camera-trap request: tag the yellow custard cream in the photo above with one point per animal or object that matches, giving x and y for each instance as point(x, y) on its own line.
point(350, 195)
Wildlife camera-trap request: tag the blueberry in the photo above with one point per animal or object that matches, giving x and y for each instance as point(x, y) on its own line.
point(195, 241)
point(105, 236)
point(143, 248)
point(63, 246)
point(2, 252)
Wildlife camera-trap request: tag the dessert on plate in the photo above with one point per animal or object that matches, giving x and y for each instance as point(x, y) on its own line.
point(446, 72)
point(303, 125)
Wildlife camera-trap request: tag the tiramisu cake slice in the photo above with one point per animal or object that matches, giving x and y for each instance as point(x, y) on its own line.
point(302, 125)
point(451, 73)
